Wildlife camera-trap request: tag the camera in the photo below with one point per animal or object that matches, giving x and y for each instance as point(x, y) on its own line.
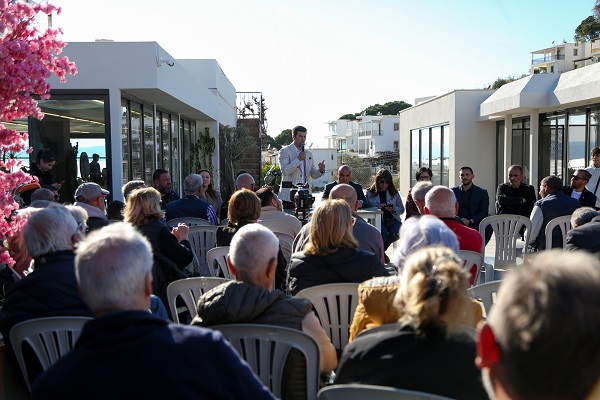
point(302, 201)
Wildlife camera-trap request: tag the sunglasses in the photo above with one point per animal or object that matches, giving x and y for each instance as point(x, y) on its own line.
point(382, 181)
point(576, 178)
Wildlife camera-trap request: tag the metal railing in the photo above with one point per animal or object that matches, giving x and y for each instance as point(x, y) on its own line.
point(548, 58)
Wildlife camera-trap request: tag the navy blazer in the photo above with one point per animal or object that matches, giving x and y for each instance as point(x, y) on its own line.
point(479, 206)
point(360, 195)
point(587, 199)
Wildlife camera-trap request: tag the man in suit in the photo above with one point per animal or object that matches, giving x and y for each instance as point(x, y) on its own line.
point(577, 189)
point(190, 205)
point(297, 164)
point(344, 176)
point(585, 237)
point(473, 201)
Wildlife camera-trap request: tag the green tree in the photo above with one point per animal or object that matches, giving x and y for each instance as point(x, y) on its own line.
point(503, 81)
point(596, 10)
point(588, 29)
point(234, 142)
point(389, 108)
point(284, 138)
point(351, 117)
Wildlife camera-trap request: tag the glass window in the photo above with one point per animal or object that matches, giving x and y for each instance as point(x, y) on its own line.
point(396, 126)
point(436, 154)
point(165, 141)
point(125, 139)
point(500, 177)
point(414, 155)
point(136, 140)
point(425, 156)
point(594, 132)
point(149, 154)
point(175, 165)
point(445, 155)
point(576, 156)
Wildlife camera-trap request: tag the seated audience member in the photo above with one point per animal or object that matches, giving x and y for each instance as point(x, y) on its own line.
point(208, 192)
point(131, 186)
point(40, 204)
point(441, 202)
point(171, 248)
point(331, 255)
point(554, 203)
point(419, 191)
point(156, 359)
point(384, 195)
point(424, 174)
point(375, 296)
point(161, 181)
point(421, 232)
point(582, 216)
point(515, 196)
point(431, 348)
point(243, 180)
point(345, 176)
point(114, 210)
point(585, 236)
point(541, 339)
point(366, 235)
point(43, 194)
point(473, 201)
point(80, 216)
point(272, 215)
point(251, 299)
point(91, 197)
point(577, 189)
point(15, 245)
point(190, 204)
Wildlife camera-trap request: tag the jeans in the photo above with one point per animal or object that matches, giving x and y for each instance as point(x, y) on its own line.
point(390, 232)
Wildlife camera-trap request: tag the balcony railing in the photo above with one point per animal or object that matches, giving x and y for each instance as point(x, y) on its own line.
point(548, 58)
point(370, 133)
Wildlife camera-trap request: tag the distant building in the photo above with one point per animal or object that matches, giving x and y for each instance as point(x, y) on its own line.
point(565, 57)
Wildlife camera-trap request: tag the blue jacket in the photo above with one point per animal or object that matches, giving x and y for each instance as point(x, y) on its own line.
point(190, 206)
point(479, 205)
point(134, 355)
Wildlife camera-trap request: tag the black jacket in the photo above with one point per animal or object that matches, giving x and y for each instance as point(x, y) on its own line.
point(587, 199)
point(585, 237)
point(345, 265)
point(509, 200)
point(360, 194)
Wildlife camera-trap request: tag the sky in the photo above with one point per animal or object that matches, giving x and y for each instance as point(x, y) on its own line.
point(316, 60)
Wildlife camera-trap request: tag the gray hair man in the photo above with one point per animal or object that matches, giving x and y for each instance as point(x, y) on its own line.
point(90, 196)
point(419, 191)
point(43, 194)
point(345, 176)
point(191, 359)
point(367, 236)
point(191, 205)
point(541, 339)
point(244, 181)
point(251, 298)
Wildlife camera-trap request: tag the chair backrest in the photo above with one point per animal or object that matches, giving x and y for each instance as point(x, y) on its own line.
point(189, 290)
point(202, 239)
point(49, 338)
point(564, 224)
point(471, 258)
point(189, 221)
point(266, 347)
point(506, 229)
point(354, 391)
point(285, 242)
point(334, 304)
point(486, 293)
point(218, 256)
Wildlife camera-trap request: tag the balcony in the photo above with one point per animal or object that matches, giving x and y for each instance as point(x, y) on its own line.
point(369, 133)
point(548, 58)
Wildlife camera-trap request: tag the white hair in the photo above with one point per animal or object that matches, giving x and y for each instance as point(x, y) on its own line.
point(421, 189)
point(252, 248)
point(420, 232)
point(441, 201)
point(192, 183)
point(111, 266)
point(50, 230)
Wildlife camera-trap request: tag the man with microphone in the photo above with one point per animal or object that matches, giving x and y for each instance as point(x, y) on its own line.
point(297, 165)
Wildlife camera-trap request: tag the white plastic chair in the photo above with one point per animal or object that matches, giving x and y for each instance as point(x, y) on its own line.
point(506, 229)
point(189, 290)
point(334, 304)
point(50, 338)
point(189, 221)
point(266, 347)
point(486, 293)
point(471, 258)
point(202, 239)
point(564, 224)
point(219, 255)
point(354, 391)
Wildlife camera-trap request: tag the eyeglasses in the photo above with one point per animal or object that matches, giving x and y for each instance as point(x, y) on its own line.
point(424, 178)
point(382, 181)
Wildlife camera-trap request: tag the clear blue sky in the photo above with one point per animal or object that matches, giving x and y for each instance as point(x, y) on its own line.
point(315, 60)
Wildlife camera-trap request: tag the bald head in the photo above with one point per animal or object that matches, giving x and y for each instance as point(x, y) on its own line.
point(345, 192)
point(344, 174)
point(244, 181)
point(441, 202)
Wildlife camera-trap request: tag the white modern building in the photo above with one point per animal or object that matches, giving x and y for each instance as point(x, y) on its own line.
point(135, 106)
point(565, 57)
point(366, 136)
point(545, 122)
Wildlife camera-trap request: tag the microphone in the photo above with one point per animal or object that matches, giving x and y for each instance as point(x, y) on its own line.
point(302, 148)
